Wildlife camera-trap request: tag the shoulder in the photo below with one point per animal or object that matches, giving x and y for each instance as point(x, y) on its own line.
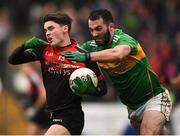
point(89, 45)
point(47, 50)
point(122, 38)
point(73, 41)
point(119, 34)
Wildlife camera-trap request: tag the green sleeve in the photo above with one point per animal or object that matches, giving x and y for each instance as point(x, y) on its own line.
point(89, 46)
point(85, 46)
point(128, 40)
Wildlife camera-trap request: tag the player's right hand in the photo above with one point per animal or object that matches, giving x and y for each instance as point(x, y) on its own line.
point(84, 87)
point(33, 43)
point(76, 56)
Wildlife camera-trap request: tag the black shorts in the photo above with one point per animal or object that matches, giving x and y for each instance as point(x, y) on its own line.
point(41, 118)
point(71, 118)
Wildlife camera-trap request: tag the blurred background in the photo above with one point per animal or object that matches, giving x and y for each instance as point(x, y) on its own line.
point(154, 23)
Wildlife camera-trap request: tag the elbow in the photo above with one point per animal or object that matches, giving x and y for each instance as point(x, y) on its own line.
point(119, 56)
point(10, 61)
point(122, 52)
point(102, 89)
point(103, 92)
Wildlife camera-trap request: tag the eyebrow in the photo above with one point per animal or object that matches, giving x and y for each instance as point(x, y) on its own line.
point(95, 27)
point(49, 27)
point(45, 29)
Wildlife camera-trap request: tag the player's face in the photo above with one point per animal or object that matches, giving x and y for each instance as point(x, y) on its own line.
point(55, 33)
point(100, 31)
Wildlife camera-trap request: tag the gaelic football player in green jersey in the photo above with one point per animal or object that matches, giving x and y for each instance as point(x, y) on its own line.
point(139, 88)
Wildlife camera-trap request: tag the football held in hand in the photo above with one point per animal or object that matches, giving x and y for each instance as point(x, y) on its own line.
point(82, 80)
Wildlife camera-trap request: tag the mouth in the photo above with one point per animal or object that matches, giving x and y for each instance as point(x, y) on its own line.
point(49, 39)
point(98, 40)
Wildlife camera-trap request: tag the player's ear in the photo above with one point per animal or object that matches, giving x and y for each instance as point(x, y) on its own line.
point(111, 26)
point(65, 28)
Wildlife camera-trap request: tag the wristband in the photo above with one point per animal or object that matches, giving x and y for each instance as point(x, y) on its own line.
point(88, 56)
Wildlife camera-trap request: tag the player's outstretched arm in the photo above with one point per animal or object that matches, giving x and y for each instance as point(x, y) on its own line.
point(20, 56)
point(29, 51)
point(109, 55)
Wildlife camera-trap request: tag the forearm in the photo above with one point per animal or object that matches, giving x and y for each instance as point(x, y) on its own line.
point(105, 55)
point(20, 56)
point(109, 55)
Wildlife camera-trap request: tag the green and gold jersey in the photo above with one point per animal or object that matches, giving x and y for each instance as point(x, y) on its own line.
point(133, 76)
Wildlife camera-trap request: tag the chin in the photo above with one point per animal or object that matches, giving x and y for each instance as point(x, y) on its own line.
point(53, 44)
point(98, 42)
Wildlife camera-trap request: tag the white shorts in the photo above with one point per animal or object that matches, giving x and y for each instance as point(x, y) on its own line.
point(161, 102)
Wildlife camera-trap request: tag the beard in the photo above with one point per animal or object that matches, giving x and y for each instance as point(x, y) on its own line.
point(106, 39)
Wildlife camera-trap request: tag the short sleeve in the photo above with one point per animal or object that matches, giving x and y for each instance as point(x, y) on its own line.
point(128, 40)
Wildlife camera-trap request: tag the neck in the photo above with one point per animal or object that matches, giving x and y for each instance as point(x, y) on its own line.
point(65, 42)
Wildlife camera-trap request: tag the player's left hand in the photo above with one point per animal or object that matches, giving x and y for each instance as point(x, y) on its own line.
point(76, 56)
point(84, 87)
point(33, 43)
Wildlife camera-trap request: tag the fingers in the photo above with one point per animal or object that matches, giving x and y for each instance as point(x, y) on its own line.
point(70, 53)
point(89, 79)
point(66, 53)
point(44, 42)
point(78, 81)
point(75, 88)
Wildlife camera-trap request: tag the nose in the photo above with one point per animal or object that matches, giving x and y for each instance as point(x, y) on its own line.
point(47, 34)
point(94, 34)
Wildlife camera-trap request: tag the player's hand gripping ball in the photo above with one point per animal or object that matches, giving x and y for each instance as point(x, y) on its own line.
point(83, 81)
